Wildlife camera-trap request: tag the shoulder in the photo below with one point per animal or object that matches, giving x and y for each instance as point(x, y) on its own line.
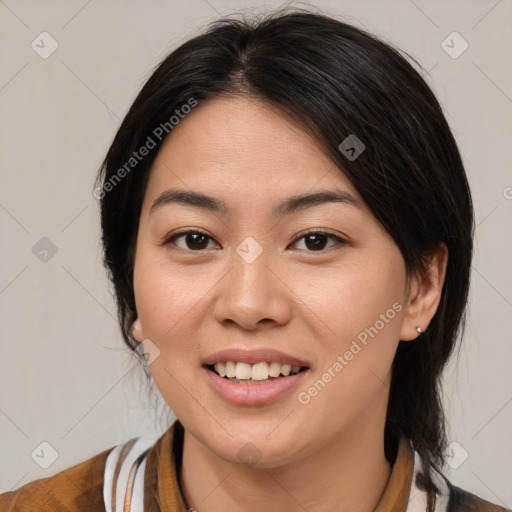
point(95, 485)
point(104, 483)
point(449, 497)
point(78, 488)
point(464, 501)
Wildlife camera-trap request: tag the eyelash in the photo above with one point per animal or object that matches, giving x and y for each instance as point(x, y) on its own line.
point(170, 239)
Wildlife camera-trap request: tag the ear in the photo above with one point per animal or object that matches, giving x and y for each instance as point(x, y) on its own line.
point(137, 330)
point(424, 295)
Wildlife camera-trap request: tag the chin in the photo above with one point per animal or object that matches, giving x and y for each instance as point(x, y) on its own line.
point(248, 455)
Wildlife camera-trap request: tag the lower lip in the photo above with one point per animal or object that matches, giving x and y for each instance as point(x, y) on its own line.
point(253, 394)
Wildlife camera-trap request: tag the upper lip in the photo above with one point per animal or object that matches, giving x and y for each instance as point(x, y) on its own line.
point(253, 356)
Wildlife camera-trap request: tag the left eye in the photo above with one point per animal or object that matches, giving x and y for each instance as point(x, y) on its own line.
point(314, 241)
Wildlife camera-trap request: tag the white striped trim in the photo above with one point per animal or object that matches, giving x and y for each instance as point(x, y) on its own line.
point(140, 446)
point(138, 489)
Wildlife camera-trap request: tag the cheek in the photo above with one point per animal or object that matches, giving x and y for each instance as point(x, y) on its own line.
point(165, 297)
point(166, 302)
point(351, 297)
point(361, 304)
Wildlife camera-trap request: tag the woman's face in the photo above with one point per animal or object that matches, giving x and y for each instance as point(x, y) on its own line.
point(254, 281)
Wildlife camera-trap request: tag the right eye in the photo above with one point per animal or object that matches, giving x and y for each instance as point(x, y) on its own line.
point(193, 240)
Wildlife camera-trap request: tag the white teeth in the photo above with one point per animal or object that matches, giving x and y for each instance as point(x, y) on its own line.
point(257, 372)
point(243, 371)
point(230, 369)
point(285, 369)
point(275, 369)
point(220, 368)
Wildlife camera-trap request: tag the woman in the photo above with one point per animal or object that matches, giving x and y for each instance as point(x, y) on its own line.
point(288, 227)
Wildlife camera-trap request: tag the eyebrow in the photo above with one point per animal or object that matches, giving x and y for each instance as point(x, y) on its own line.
point(291, 205)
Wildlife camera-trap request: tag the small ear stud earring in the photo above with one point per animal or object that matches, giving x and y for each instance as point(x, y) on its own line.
point(419, 330)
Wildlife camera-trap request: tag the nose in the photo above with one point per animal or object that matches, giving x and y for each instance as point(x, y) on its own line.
point(253, 294)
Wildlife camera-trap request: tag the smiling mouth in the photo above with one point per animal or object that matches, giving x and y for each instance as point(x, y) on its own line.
point(258, 373)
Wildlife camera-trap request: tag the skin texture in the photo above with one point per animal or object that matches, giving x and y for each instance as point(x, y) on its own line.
point(305, 301)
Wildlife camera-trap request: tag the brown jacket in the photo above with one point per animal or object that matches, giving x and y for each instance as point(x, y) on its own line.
point(80, 488)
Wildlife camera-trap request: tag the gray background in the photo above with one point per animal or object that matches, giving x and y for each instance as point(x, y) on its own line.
point(66, 378)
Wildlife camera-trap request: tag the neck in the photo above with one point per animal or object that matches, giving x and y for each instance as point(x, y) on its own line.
point(350, 473)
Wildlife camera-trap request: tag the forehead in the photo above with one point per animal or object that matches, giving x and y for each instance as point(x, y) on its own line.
point(242, 149)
